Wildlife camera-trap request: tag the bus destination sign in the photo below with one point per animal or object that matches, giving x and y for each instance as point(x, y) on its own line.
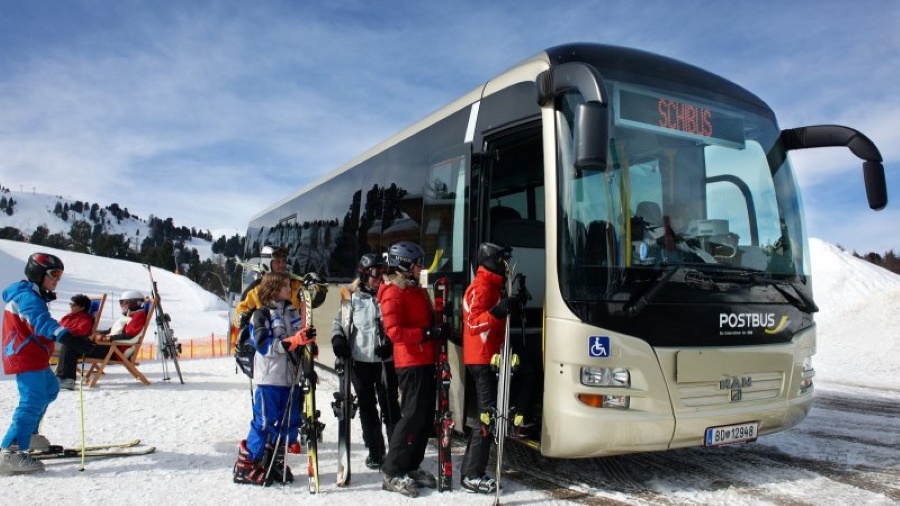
point(651, 110)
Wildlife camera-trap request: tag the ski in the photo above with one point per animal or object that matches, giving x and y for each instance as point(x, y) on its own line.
point(344, 403)
point(501, 416)
point(312, 427)
point(344, 410)
point(169, 347)
point(60, 449)
point(75, 453)
point(443, 418)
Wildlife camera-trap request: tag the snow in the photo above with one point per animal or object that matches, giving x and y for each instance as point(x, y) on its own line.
point(196, 427)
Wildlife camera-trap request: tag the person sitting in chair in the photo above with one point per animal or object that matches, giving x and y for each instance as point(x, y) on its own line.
point(79, 322)
point(123, 332)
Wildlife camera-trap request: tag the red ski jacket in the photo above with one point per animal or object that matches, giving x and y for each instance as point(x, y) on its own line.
point(482, 333)
point(405, 311)
point(78, 324)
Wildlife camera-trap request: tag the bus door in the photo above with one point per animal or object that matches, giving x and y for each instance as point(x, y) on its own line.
point(511, 211)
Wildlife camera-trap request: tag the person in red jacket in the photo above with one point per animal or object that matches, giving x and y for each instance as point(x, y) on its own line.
point(408, 319)
point(79, 322)
point(485, 310)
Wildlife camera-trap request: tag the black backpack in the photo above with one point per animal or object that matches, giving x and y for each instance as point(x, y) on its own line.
point(245, 348)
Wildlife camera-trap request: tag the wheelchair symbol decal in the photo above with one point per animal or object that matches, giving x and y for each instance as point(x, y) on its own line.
point(598, 346)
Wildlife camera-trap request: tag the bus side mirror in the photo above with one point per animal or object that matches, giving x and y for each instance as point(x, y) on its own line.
point(591, 136)
point(840, 136)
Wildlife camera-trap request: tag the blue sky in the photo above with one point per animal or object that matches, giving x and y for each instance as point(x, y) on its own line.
point(208, 112)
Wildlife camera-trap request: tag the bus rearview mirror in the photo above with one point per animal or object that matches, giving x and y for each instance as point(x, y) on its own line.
point(591, 136)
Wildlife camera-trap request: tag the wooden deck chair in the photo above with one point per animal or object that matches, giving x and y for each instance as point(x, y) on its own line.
point(116, 355)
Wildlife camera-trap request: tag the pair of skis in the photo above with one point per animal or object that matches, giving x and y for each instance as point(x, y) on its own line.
point(95, 451)
point(502, 417)
point(312, 427)
point(169, 348)
point(443, 417)
point(344, 404)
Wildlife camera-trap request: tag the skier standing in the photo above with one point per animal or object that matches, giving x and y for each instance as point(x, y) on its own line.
point(408, 317)
point(29, 336)
point(358, 333)
point(484, 326)
point(277, 331)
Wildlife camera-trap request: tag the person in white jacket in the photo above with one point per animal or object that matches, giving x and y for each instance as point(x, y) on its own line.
point(277, 331)
point(357, 332)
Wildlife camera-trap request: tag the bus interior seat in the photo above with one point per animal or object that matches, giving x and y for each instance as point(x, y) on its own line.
point(650, 212)
point(595, 245)
point(520, 234)
point(503, 213)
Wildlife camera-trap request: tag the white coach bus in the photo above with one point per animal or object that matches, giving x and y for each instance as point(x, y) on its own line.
point(651, 205)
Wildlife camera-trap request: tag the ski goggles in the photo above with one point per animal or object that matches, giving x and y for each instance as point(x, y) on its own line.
point(55, 274)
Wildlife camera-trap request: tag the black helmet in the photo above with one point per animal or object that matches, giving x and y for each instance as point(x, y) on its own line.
point(491, 256)
point(39, 264)
point(404, 254)
point(369, 264)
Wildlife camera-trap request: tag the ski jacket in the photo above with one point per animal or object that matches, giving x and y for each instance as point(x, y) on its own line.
point(359, 320)
point(270, 324)
point(29, 332)
point(78, 324)
point(126, 328)
point(483, 334)
point(405, 311)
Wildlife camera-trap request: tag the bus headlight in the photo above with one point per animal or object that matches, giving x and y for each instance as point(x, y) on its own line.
point(605, 377)
point(806, 375)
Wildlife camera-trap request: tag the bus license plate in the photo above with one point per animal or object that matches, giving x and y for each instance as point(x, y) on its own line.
point(730, 434)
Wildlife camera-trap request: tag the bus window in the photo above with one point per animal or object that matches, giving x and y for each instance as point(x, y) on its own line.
point(445, 202)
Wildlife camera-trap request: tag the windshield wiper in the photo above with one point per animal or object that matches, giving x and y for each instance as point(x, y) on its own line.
point(634, 307)
point(799, 299)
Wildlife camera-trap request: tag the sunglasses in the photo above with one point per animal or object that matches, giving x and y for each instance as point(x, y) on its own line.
point(55, 274)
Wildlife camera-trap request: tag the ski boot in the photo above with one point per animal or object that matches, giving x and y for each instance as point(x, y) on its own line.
point(249, 471)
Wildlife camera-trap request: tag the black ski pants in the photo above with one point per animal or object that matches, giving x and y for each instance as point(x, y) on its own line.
point(372, 394)
point(67, 366)
point(410, 438)
point(478, 451)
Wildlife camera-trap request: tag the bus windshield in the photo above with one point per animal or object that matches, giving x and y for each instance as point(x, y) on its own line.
point(687, 197)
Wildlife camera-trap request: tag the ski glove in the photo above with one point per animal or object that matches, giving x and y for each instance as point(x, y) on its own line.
point(80, 345)
point(244, 319)
point(340, 346)
point(504, 307)
point(439, 331)
point(303, 337)
point(384, 351)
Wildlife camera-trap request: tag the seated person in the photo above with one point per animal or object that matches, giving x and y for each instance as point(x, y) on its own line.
point(124, 331)
point(80, 323)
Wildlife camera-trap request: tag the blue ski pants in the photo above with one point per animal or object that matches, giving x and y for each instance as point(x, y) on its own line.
point(37, 389)
point(269, 405)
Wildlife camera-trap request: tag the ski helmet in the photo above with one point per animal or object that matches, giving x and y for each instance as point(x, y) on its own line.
point(491, 256)
point(404, 254)
point(369, 264)
point(267, 253)
point(40, 264)
point(132, 295)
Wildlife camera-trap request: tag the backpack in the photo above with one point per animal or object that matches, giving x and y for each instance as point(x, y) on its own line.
point(245, 348)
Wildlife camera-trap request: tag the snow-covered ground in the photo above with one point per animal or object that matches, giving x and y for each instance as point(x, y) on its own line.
point(195, 427)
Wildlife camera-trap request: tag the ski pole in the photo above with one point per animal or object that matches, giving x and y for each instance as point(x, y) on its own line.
point(81, 408)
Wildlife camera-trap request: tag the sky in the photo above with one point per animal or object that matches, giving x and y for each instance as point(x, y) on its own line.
point(209, 112)
point(835, 455)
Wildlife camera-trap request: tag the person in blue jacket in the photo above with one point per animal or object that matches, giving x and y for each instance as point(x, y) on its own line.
point(29, 336)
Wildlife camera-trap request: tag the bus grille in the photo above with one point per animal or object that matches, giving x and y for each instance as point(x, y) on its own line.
point(761, 386)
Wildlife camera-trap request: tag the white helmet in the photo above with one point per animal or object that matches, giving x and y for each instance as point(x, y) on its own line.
point(131, 295)
point(267, 253)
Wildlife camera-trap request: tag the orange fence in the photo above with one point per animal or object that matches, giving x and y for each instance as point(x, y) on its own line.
point(199, 347)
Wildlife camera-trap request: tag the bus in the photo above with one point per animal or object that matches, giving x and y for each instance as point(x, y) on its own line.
point(653, 209)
